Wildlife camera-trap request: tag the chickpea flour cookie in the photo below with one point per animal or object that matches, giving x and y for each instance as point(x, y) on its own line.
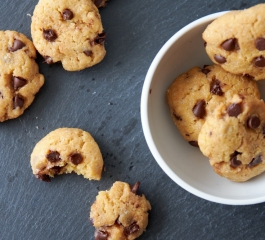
point(20, 79)
point(120, 214)
point(236, 41)
point(69, 31)
point(233, 138)
point(67, 150)
point(196, 93)
point(100, 3)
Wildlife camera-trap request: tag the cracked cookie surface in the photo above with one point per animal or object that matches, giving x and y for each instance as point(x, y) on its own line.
point(120, 214)
point(70, 32)
point(67, 150)
point(20, 79)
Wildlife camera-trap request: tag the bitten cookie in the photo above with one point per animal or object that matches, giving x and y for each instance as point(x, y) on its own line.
point(20, 79)
point(120, 214)
point(236, 41)
point(233, 138)
point(196, 93)
point(69, 31)
point(67, 150)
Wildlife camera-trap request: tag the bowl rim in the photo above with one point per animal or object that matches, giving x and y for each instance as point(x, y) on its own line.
point(145, 120)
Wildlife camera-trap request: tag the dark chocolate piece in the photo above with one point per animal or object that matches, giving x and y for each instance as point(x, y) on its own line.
point(255, 161)
point(194, 143)
point(67, 14)
point(49, 34)
point(234, 109)
point(18, 83)
point(253, 122)
point(229, 44)
point(135, 187)
point(220, 59)
point(53, 156)
point(134, 227)
point(260, 44)
point(18, 101)
point(259, 61)
point(199, 109)
point(76, 158)
point(100, 235)
point(43, 177)
point(88, 53)
point(17, 45)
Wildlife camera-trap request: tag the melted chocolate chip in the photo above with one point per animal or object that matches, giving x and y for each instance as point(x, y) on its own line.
point(199, 109)
point(18, 101)
point(48, 60)
point(234, 109)
point(259, 61)
point(100, 235)
point(248, 76)
point(220, 59)
point(18, 83)
point(56, 169)
point(194, 143)
point(260, 44)
point(255, 161)
point(206, 71)
point(177, 117)
point(234, 162)
point(135, 187)
point(100, 39)
point(49, 34)
point(76, 158)
point(17, 45)
point(230, 44)
point(253, 122)
point(67, 14)
point(88, 53)
point(215, 87)
point(53, 156)
point(97, 2)
point(43, 177)
point(134, 227)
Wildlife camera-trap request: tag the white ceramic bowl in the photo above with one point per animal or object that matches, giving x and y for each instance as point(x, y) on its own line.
point(183, 163)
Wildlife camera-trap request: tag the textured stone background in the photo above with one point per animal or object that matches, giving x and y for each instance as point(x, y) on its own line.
point(105, 100)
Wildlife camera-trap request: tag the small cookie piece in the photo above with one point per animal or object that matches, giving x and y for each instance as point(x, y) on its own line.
point(100, 3)
point(233, 138)
point(236, 41)
point(20, 79)
point(67, 150)
point(196, 93)
point(120, 214)
point(70, 32)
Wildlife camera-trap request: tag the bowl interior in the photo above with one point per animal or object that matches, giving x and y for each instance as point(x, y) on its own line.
point(183, 163)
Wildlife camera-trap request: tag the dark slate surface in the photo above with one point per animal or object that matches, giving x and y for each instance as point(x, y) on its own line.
point(105, 100)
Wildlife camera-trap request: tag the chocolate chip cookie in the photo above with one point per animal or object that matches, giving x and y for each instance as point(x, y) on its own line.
point(120, 213)
point(196, 93)
point(20, 79)
point(233, 138)
point(236, 41)
point(67, 150)
point(70, 32)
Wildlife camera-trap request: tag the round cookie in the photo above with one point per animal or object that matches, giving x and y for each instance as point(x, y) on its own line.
point(196, 93)
point(120, 214)
point(233, 138)
point(20, 79)
point(236, 41)
point(67, 150)
point(69, 31)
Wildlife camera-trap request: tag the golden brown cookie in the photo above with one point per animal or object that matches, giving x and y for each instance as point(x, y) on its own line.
point(67, 150)
point(20, 79)
point(196, 93)
point(69, 31)
point(120, 214)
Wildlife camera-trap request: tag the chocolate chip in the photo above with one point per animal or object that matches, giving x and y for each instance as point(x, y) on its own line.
point(43, 177)
point(135, 187)
point(234, 162)
point(97, 2)
point(248, 76)
point(206, 71)
point(56, 169)
point(134, 227)
point(234, 109)
point(17, 45)
point(18, 83)
point(229, 44)
point(53, 156)
point(253, 122)
point(177, 117)
point(259, 61)
point(199, 109)
point(67, 14)
point(194, 143)
point(260, 44)
point(100, 38)
point(255, 161)
point(49, 34)
point(220, 59)
point(18, 101)
point(215, 87)
point(76, 158)
point(88, 53)
point(205, 44)
point(48, 60)
point(100, 235)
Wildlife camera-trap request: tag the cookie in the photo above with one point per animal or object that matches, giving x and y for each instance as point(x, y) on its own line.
point(233, 138)
point(236, 41)
point(120, 214)
point(196, 93)
point(67, 150)
point(100, 3)
point(20, 79)
point(70, 32)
